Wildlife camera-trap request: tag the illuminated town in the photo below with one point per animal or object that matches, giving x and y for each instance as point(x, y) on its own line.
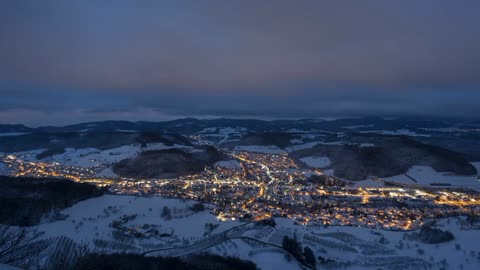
point(274, 185)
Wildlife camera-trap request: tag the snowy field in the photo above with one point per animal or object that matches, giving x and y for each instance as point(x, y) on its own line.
point(90, 223)
point(91, 157)
point(425, 175)
point(461, 253)
point(316, 162)
point(265, 258)
point(91, 219)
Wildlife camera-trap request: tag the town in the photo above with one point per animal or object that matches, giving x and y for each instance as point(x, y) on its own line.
point(261, 186)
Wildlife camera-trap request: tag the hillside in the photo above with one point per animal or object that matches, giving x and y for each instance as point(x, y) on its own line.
point(56, 142)
point(167, 163)
point(386, 156)
point(25, 201)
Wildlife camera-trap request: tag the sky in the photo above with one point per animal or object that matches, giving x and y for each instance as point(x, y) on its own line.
point(65, 62)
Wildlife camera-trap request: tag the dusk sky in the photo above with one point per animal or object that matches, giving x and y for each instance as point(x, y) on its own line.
point(65, 62)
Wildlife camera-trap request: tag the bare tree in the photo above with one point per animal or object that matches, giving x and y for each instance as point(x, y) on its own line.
point(18, 245)
point(65, 253)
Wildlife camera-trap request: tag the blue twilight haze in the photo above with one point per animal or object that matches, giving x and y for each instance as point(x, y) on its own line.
point(70, 61)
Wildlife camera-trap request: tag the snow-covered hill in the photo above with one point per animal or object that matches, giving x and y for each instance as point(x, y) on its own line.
point(137, 224)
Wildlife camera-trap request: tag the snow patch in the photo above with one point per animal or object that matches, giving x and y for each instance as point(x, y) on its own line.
point(425, 175)
point(107, 173)
point(266, 149)
point(405, 132)
point(316, 162)
point(296, 141)
point(367, 145)
point(93, 157)
point(229, 164)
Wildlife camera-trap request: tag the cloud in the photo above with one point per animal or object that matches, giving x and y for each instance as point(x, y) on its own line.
point(269, 58)
point(84, 106)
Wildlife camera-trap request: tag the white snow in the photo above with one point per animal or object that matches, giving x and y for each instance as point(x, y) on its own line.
point(266, 149)
point(397, 132)
point(367, 145)
point(107, 172)
point(30, 155)
point(427, 175)
point(312, 136)
point(91, 157)
point(88, 220)
point(433, 253)
point(476, 164)
point(316, 162)
point(229, 164)
point(296, 141)
point(329, 172)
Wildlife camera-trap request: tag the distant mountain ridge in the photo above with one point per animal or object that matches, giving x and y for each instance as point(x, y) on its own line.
point(459, 137)
point(192, 125)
